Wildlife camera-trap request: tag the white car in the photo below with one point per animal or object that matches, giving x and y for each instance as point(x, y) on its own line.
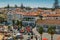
point(10, 38)
point(19, 36)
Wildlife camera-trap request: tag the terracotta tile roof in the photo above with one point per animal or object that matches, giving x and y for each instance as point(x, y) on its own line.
point(47, 10)
point(18, 9)
point(28, 13)
point(53, 15)
point(54, 22)
point(44, 15)
point(36, 13)
point(22, 12)
point(40, 10)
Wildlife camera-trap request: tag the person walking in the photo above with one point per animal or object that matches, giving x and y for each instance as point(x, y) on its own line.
point(32, 37)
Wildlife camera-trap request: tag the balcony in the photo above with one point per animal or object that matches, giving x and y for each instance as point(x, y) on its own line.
point(28, 20)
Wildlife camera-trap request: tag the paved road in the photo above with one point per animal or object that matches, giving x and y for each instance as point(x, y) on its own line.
point(26, 36)
point(46, 35)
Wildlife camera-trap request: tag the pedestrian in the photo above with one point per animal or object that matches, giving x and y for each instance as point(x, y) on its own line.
point(32, 37)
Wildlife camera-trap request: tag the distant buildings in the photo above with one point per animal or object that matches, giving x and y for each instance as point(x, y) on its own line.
point(51, 15)
point(29, 17)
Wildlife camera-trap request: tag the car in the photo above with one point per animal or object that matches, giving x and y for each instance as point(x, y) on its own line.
point(19, 36)
point(10, 38)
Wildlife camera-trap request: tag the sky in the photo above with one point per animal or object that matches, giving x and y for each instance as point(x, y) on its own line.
point(31, 3)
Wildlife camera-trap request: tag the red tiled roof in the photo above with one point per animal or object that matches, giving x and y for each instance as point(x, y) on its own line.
point(44, 15)
point(33, 13)
point(53, 15)
point(28, 13)
point(57, 22)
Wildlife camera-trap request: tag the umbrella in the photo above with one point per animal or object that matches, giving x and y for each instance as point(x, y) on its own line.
point(28, 29)
point(45, 39)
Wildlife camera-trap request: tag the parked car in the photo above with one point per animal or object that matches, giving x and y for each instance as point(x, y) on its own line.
point(10, 38)
point(19, 36)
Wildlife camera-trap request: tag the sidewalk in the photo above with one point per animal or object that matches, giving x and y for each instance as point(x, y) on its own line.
point(46, 35)
point(26, 36)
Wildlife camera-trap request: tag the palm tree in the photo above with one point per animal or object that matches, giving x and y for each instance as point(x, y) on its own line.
point(19, 24)
point(14, 38)
point(51, 30)
point(9, 28)
point(1, 20)
point(40, 30)
point(13, 21)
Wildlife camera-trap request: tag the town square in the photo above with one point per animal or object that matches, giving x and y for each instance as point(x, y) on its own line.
point(29, 19)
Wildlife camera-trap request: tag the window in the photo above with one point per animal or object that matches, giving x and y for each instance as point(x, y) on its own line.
point(56, 18)
point(10, 17)
point(58, 27)
point(45, 26)
point(31, 24)
point(24, 24)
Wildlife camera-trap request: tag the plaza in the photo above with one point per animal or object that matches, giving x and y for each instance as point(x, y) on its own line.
point(26, 20)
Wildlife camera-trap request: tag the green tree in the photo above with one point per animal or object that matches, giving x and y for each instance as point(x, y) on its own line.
point(16, 6)
point(51, 31)
point(28, 8)
point(9, 28)
point(3, 17)
point(13, 22)
point(40, 30)
point(14, 38)
point(1, 20)
point(19, 24)
point(8, 6)
point(22, 6)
